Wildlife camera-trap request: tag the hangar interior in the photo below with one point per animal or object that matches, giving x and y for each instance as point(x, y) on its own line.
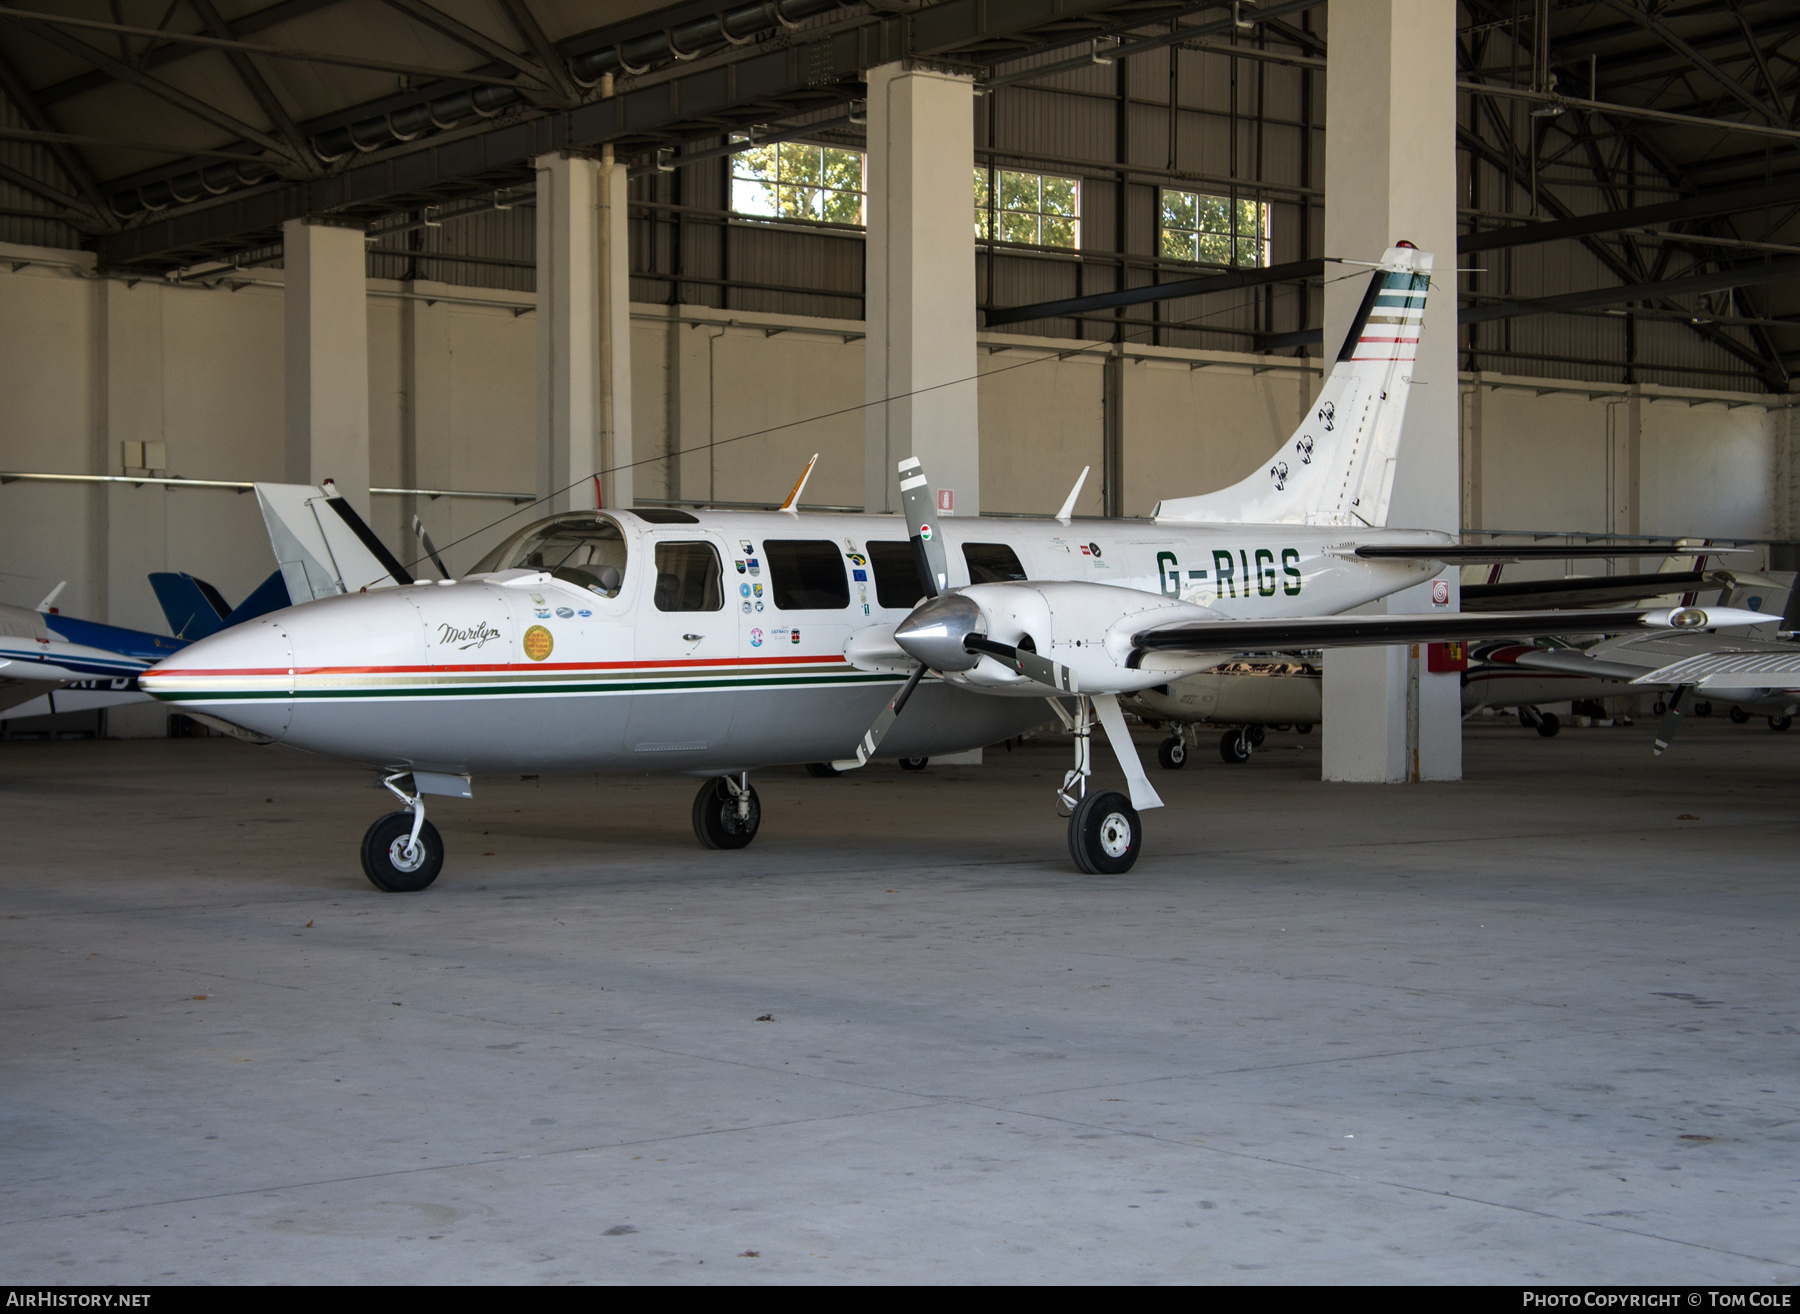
point(472, 259)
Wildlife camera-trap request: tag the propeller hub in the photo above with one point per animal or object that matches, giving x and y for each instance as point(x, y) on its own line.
point(935, 632)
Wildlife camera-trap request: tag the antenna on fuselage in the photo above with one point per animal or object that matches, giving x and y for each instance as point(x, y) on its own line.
point(792, 505)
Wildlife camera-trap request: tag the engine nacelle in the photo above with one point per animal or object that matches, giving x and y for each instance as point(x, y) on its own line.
point(1084, 629)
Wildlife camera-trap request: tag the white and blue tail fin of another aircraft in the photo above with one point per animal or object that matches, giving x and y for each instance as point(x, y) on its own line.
point(1338, 467)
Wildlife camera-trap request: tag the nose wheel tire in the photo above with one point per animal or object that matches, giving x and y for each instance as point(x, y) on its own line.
point(1171, 754)
point(395, 865)
point(1549, 724)
point(1234, 748)
point(1105, 834)
point(1780, 722)
point(1739, 716)
point(718, 823)
point(913, 763)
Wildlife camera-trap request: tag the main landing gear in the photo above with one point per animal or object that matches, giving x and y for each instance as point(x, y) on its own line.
point(402, 852)
point(1548, 723)
point(1235, 746)
point(1105, 832)
point(727, 812)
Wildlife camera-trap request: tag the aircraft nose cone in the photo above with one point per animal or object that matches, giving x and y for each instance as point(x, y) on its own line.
point(244, 675)
point(934, 633)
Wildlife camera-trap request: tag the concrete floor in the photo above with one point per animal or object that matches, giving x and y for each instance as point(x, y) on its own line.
point(1547, 1027)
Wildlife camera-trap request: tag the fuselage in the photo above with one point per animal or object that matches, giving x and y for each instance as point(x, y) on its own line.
point(715, 644)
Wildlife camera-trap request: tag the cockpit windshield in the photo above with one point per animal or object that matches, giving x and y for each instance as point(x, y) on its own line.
point(582, 548)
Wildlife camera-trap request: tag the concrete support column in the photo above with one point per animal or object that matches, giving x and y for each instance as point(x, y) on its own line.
point(327, 349)
point(921, 285)
point(1390, 175)
point(584, 332)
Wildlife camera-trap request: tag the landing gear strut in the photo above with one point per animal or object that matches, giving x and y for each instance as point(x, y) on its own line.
point(402, 852)
point(727, 812)
point(1105, 832)
point(1547, 723)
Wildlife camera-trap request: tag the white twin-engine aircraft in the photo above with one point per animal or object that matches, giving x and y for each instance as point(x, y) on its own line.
point(715, 643)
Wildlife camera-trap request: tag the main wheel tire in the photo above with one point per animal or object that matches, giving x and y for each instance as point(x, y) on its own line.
point(1549, 724)
point(822, 770)
point(1703, 708)
point(1658, 707)
point(716, 821)
point(1255, 734)
point(913, 763)
point(1739, 716)
point(1303, 727)
point(1233, 749)
point(1779, 723)
point(1105, 834)
point(1171, 754)
point(387, 864)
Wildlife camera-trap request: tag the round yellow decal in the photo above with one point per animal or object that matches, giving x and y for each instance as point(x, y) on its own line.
point(538, 643)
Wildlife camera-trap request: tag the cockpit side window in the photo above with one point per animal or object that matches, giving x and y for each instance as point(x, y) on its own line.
point(688, 577)
point(588, 554)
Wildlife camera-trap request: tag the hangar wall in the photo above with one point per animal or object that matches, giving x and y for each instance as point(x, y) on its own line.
point(87, 363)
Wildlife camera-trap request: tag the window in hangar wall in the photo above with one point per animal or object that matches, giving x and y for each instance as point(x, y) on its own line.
point(794, 180)
point(1032, 209)
point(1212, 230)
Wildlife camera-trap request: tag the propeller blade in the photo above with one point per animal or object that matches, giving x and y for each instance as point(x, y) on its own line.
point(1671, 720)
point(430, 547)
point(871, 740)
point(1027, 663)
point(928, 549)
point(1143, 795)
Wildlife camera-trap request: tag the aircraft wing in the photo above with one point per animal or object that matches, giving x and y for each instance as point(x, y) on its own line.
point(1365, 631)
point(322, 546)
point(14, 692)
point(1468, 554)
point(1735, 670)
point(1586, 591)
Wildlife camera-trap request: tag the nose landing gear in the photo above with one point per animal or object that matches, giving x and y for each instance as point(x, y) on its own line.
point(727, 812)
point(402, 852)
point(1105, 832)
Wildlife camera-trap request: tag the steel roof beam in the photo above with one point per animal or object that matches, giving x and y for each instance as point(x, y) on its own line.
point(158, 55)
point(1690, 285)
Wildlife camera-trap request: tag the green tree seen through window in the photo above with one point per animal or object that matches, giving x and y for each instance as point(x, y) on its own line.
point(1211, 230)
point(792, 180)
point(1034, 209)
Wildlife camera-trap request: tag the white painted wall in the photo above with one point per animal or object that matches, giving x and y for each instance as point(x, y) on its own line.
point(86, 363)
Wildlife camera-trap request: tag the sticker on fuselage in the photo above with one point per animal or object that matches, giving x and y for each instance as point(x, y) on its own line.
point(565, 613)
point(756, 638)
point(538, 643)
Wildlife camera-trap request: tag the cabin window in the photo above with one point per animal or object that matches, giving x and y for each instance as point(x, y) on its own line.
point(896, 575)
point(992, 563)
point(807, 575)
point(688, 577)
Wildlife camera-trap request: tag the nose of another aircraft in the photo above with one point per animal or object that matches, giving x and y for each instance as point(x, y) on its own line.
point(244, 675)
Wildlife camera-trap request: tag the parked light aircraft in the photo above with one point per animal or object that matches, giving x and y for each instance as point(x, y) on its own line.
point(43, 652)
point(714, 643)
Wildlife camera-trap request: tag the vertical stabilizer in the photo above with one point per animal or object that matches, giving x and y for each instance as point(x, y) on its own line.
point(1337, 468)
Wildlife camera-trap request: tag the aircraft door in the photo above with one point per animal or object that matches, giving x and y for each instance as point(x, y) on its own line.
point(687, 640)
